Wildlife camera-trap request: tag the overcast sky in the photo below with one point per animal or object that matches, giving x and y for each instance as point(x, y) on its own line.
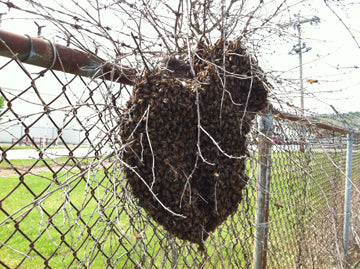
point(331, 60)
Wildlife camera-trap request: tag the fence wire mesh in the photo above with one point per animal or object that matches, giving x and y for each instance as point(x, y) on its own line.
point(65, 201)
point(307, 196)
point(67, 204)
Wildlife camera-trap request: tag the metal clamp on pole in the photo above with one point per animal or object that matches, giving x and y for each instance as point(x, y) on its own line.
point(30, 55)
point(36, 55)
point(40, 53)
point(54, 54)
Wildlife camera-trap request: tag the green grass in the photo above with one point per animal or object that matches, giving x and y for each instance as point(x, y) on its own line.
point(30, 162)
point(4, 147)
point(34, 220)
point(287, 187)
point(38, 163)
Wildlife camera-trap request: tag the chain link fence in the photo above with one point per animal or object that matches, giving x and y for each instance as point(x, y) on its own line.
point(69, 205)
point(306, 208)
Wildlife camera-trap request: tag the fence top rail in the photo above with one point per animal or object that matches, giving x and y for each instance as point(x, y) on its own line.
point(43, 53)
point(304, 120)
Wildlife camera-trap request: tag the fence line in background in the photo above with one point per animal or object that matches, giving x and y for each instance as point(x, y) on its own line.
point(43, 141)
point(265, 127)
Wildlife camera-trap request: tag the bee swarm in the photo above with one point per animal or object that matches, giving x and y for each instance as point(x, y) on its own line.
point(195, 172)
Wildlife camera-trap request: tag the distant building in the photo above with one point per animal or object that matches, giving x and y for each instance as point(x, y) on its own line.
point(26, 122)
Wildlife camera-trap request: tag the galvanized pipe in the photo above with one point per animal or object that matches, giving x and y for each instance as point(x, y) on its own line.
point(43, 53)
point(348, 182)
point(347, 205)
point(265, 123)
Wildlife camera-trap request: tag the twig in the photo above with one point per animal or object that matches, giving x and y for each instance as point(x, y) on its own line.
point(141, 54)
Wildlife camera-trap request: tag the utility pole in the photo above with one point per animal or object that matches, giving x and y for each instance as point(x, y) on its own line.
point(298, 26)
point(300, 49)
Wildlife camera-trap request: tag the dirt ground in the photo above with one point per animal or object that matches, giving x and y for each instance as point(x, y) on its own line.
point(352, 259)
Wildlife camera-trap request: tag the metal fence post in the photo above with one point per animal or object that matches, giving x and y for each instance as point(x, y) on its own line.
point(347, 206)
point(265, 125)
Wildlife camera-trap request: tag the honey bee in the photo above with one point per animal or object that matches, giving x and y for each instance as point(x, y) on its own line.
point(137, 236)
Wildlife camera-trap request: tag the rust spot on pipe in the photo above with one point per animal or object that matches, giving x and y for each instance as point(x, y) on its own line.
point(17, 43)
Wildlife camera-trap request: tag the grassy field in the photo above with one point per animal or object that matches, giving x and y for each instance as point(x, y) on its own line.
point(30, 162)
point(44, 227)
point(72, 214)
point(35, 221)
point(51, 218)
point(40, 163)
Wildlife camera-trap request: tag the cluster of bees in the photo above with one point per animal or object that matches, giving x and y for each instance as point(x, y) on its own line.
point(185, 141)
